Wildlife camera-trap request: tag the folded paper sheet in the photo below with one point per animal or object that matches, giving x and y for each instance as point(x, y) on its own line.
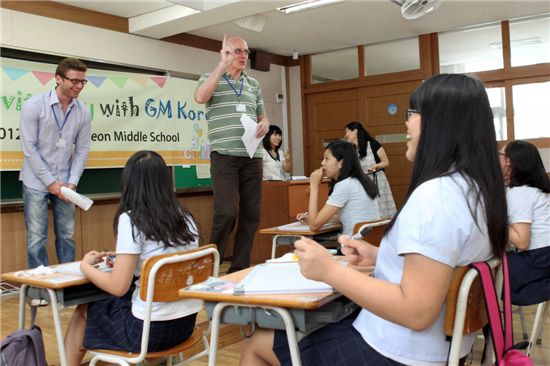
point(81, 201)
point(249, 138)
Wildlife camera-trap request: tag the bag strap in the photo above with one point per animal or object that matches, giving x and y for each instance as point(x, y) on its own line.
point(492, 306)
point(508, 321)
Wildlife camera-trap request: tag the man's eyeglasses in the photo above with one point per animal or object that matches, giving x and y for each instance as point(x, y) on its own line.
point(75, 81)
point(240, 51)
point(410, 112)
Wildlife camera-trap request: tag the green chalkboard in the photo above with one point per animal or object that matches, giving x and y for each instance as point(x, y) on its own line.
point(187, 178)
point(92, 181)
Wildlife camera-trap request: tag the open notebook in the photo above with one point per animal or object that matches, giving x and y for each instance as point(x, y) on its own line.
point(297, 226)
point(280, 278)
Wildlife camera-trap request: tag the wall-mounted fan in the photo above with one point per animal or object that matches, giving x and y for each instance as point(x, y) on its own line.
point(413, 9)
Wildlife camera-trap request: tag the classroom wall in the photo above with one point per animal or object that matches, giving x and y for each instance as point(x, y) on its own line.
point(52, 36)
point(41, 34)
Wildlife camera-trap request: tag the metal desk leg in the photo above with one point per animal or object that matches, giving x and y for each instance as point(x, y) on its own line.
point(22, 300)
point(274, 245)
point(285, 315)
point(58, 329)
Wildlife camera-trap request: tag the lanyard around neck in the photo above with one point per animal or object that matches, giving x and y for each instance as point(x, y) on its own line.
point(64, 120)
point(232, 87)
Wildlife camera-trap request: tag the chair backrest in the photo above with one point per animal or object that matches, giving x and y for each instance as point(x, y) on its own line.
point(465, 312)
point(378, 227)
point(174, 271)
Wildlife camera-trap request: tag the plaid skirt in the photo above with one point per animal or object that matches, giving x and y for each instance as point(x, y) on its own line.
point(336, 344)
point(529, 276)
point(111, 325)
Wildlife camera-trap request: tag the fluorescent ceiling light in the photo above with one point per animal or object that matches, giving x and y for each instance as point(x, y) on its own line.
point(518, 43)
point(304, 5)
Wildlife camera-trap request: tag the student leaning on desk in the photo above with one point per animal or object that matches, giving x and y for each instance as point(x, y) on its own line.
point(149, 221)
point(352, 196)
point(454, 214)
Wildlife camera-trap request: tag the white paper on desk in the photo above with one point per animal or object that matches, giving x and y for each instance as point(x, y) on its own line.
point(81, 201)
point(249, 138)
point(280, 278)
point(74, 267)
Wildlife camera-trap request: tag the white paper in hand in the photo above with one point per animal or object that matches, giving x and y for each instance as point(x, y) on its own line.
point(81, 201)
point(249, 138)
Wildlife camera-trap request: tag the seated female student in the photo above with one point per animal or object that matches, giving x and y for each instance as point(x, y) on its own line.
point(352, 197)
point(373, 160)
point(149, 221)
point(275, 164)
point(528, 197)
point(454, 214)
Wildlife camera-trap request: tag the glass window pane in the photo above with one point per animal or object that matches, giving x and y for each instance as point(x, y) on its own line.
point(471, 50)
point(382, 58)
point(531, 110)
point(335, 65)
point(529, 41)
point(498, 105)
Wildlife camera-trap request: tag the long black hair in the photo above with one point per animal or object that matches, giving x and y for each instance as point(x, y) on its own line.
point(527, 168)
point(363, 136)
point(458, 135)
point(267, 138)
point(351, 167)
point(147, 196)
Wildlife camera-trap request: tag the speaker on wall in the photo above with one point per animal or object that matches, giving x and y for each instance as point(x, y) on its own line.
point(259, 61)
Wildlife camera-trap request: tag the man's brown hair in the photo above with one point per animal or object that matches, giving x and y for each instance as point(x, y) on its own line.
point(70, 64)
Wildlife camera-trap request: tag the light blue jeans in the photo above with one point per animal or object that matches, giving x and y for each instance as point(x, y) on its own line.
point(35, 205)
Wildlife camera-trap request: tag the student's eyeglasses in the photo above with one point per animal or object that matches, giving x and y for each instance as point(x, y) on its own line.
point(75, 81)
point(240, 51)
point(410, 112)
point(503, 154)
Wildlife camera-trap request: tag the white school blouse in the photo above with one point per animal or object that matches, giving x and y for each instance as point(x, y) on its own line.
point(436, 223)
point(125, 244)
point(531, 205)
point(354, 204)
point(273, 169)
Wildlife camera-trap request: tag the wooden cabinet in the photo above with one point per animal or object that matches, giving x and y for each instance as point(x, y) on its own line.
point(281, 201)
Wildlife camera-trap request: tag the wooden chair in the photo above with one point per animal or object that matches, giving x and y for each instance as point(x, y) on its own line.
point(377, 226)
point(465, 313)
point(162, 277)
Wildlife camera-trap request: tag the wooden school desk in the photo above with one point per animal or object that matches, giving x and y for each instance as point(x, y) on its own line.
point(280, 236)
point(60, 289)
point(302, 313)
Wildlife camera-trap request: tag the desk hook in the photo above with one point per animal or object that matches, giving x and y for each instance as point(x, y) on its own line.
point(252, 325)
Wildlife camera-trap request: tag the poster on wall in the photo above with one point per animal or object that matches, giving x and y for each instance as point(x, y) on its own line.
point(130, 112)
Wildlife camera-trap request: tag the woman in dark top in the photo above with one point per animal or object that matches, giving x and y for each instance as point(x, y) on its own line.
point(373, 160)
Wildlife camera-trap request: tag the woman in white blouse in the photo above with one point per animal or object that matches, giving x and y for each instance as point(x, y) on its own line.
point(275, 163)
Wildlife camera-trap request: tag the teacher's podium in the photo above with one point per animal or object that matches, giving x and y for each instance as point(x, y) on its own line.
point(281, 201)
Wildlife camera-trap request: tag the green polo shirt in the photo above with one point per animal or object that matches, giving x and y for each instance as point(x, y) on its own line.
point(225, 129)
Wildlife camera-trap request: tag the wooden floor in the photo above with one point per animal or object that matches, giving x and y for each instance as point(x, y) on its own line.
point(231, 341)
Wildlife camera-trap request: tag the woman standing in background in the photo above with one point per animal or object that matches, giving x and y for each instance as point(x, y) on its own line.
point(275, 164)
point(373, 160)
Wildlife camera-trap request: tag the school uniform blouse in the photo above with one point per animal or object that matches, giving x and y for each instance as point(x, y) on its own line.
point(531, 205)
point(436, 222)
point(125, 244)
point(354, 204)
point(273, 168)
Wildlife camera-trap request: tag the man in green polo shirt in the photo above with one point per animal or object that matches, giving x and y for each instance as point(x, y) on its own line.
point(228, 92)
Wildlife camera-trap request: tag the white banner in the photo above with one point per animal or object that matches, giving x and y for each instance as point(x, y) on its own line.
point(130, 112)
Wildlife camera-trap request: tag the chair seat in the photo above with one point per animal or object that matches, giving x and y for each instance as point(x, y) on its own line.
point(193, 340)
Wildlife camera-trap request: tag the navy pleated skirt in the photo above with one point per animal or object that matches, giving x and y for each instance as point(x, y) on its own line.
point(529, 276)
point(111, 325)
point(336, 344)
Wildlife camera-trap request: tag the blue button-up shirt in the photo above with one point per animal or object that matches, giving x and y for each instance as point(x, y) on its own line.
point(55, 147)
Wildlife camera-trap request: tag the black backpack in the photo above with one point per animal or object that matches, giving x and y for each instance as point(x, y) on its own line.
point(23, 347)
